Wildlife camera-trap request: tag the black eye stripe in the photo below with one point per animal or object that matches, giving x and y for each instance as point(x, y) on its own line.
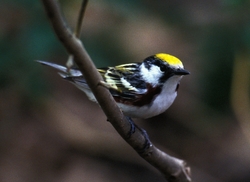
point(152, 60)
point(163, 68)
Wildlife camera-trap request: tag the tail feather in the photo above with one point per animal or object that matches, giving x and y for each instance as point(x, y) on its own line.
point(63, 75)
point(53, 65)
point(72, 75)
point(72, 71)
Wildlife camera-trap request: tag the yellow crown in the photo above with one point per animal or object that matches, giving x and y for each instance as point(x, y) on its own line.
point(171, 60)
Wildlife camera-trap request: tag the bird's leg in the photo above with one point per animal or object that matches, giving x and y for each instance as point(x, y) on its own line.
point(132, 126)
point(147, 143)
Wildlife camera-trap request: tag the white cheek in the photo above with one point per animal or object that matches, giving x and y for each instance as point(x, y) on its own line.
point(151, 75)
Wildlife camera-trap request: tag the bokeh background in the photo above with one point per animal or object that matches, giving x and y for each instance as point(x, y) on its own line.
point(49, 131)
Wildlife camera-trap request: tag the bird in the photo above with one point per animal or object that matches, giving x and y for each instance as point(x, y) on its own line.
point(141, 89)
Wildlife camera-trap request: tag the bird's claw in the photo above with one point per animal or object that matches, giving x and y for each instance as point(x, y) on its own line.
point(147, 143)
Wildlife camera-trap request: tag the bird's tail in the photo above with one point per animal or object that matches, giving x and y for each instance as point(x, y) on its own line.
point(66, 72)
point(73, 75)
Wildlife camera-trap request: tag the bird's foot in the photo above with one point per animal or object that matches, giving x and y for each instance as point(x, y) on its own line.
point(147, 143)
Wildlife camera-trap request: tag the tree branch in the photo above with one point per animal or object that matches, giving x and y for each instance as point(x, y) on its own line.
point(174, 169)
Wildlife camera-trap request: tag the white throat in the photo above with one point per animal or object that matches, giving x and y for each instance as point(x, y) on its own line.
point(151, 75)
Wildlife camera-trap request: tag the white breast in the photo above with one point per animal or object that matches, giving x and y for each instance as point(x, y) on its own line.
point(160, 104)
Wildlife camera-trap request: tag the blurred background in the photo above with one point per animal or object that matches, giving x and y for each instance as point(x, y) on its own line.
point(51, 132)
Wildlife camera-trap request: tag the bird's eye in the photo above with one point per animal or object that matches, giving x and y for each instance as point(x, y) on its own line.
point(163, 68)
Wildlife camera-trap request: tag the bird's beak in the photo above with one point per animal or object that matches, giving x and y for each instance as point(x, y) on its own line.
point(181, 72)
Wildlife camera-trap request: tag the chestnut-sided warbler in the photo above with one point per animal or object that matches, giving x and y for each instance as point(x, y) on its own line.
point(141, 90)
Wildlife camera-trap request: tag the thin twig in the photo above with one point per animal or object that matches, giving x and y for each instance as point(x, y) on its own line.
point(175, 170)
point(80, 18)
point(77, 32)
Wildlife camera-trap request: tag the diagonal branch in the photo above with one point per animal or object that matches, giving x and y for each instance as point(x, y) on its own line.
point(174, 169)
